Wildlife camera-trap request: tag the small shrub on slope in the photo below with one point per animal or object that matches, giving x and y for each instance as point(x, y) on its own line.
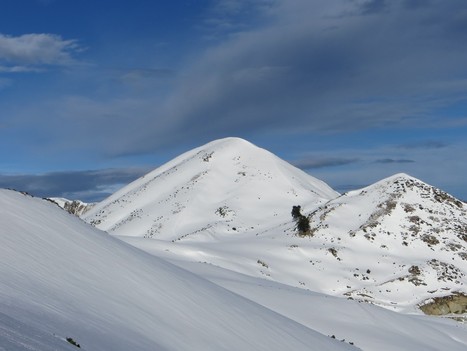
point(73, 342)
point(302, 222)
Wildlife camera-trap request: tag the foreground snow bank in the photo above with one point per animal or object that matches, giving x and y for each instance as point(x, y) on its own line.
point(62, 278)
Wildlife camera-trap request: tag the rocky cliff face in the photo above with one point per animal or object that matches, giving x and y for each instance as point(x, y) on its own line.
point(75, 207)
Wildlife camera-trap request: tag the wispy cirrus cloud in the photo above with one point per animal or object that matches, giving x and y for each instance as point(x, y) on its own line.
point(19, 69)
point(392, 160)
point(314, 163)
point(428, 144)
point(32, 52)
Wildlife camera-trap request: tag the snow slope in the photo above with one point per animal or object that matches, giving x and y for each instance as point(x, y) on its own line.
point(411, 236)
point(367, 326)
point(62, 278)
point(226, 188)
point(398, 243)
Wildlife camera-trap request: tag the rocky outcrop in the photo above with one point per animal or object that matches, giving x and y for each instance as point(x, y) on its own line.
point(75, 207)
point(452, 304)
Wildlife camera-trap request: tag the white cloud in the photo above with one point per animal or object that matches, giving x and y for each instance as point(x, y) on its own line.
point(18, 69)
point(30, 51)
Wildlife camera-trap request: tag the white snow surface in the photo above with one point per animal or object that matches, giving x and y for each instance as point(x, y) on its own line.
point(397, 243)
point(62, 278)
point(366, 326)
point(224, 188)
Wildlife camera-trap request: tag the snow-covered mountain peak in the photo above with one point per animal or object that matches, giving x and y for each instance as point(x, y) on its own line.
point(390, 184)
point(398, 176)
point(404, 186)
point(229, 142)
point(228, 186)
point(406, 228)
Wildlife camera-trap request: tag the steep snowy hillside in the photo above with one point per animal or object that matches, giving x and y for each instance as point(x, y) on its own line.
point(228, 187)
point(76, 207)
point(61, 278)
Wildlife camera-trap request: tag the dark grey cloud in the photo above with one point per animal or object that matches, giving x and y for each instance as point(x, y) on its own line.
point(93, 185)
point(313, 163)
point(322, 67)
point(429, 144)
point(309, 66)
point(374, 6)
point(416, 4)
point(391, 160)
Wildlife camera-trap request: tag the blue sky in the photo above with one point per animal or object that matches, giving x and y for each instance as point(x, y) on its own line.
point(94, 94)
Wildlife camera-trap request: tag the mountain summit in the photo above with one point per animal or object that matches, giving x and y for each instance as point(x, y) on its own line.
point(228, 186)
